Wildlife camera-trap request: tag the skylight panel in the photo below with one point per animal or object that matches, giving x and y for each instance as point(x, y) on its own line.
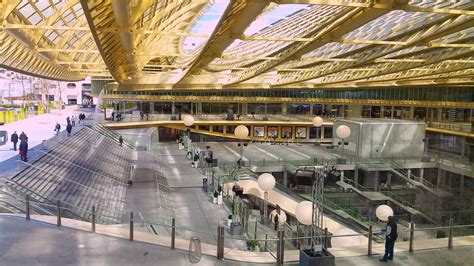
point(205, 25)
point(274, 16)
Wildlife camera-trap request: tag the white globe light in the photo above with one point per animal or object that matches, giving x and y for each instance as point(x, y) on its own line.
point(304, 212)
point(345, 239)
point(241, 132)
point(383, 212)
point(266, 182)
point(281, 217)
point(188, 120)
point(317, 121)
point(343, 131)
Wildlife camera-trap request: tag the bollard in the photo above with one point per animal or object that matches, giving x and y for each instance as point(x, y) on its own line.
point(280, 248)
point(369, 248)
point(412, 233)
point(27, 207)
point(173, 232)
point(325, 237)
point(450, 234)
point(93, 219)
point(131, 227)
point(220, 242)
point(59, 213)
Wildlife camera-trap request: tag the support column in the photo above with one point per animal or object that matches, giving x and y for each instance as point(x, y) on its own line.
point(173, 108)
point(341, 176)
point(422, 174)
point(245, 109)
point(376, 181)
point(389, 181)
point(311, 109)
point(285, 177)
point(284, 108)
point(439, 177)
point(152, 107)
point(356, 176)
point(199, 108)
point(356, 111)
point(409, 173)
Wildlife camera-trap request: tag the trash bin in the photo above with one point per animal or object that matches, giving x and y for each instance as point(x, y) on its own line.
point(204, 184)
point(194, 252)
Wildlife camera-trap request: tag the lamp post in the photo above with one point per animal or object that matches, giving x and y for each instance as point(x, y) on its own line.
point(318, 122)
point(311, 213)
point(343, 132)
point(188, 121)
point(266, 182)
point(241, 132)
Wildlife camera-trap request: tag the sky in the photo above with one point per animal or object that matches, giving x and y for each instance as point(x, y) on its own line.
point(207, 23)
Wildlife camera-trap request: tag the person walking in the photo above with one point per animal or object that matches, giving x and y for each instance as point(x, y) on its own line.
point(57, 128)
point(23, 150)
point(23, 136)
point(73, 120)
point(68, 120)
point(391, 235)
point(14, 139)
point(69, 129)
point(121, 140)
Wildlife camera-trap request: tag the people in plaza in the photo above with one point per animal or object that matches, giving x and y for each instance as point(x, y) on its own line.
point(23, 136)
point(141, 115)
point(391, 235)
point(113, 116)
point(23, 149)
point(73, 120)
point(69, 129)
point(120, 140)
point(68, 120)
point(14, 139)
point(57, 128)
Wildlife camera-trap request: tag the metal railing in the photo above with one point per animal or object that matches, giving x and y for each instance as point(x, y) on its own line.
point(277, 248)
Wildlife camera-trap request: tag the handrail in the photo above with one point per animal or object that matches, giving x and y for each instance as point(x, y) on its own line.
point(75, 182)
point(84, 168)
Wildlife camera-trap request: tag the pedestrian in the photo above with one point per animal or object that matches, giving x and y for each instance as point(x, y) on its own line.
point(23, 150)
point(14, 139)
point(113, 116)
point(68, 120)
point(73, 120)
point(121, 140)
point(23, 136)
point(141, 115)
point(57, 128)
point(69, 129)
point(391, 235)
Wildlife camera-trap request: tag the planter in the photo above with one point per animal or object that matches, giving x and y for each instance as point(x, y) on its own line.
point(325, 259)
point(214, 200)
point(219, 199)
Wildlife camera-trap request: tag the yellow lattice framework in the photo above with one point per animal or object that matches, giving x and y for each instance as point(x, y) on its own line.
point(342, 43)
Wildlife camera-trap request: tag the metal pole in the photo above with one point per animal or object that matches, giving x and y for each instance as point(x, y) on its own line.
point(369, 249)
point(131, 227)
point(93, 219)
point(59, 213)
point(412, 232)
point(265, 207)
point(220, 242)
point(173, 232)
point(450, 233)
point(27, 207)
point(266, 243)
point(255, 234)
point(280, 248)
point(325, 237)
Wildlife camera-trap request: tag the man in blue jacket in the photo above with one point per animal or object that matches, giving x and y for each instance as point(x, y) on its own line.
point(391, 235)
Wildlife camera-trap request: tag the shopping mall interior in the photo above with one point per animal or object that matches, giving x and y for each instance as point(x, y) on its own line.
point(236, 132)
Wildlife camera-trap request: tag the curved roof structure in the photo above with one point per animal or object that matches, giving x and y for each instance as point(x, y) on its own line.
point(244, 44)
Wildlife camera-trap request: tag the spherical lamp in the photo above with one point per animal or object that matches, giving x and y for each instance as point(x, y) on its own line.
point(304, 212)
point(266, 182)
point(383, 212)
point(188, 120)
point(345, 237)
point(241, 132)
point(343, 131)
point(317, 121)
point(281, 217)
